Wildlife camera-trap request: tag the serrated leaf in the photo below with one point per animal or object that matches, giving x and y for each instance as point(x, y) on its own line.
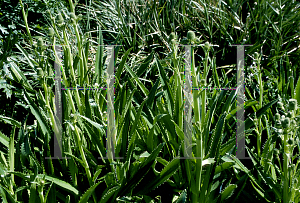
point(108, 194)
point(19, 77)
point(249, 123)
point(165, 174)
point(223, 166)
point(60, 183)
point(182, 198)
point(139, 171)
point(97, 125)
point(36, 112)
point(3, 30)
point(297, 91)
point(24, 52)
point(228, 191)
point(4, 139)
point(208, 161)
point(10, 121)
point(85, 197)
point(166, 86)
point(7, 194)
point(138, 81)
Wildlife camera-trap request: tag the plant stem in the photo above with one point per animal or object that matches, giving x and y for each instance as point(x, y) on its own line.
point(179, 89)
point(195, 92)
point(26, 23)
point(261, 91)
point(203, 105)
point(285, 169)
point(79, 144)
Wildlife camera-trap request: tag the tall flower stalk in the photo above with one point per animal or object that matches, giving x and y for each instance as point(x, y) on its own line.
point(285, 124)
point(199, 118)
point(178, 80)
point(195, 193)
point(258, 77)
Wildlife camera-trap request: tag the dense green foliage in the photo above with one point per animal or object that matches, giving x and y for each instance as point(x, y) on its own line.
point(149, 101)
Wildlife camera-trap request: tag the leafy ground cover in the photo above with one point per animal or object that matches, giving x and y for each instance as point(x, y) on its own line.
point(149, 100)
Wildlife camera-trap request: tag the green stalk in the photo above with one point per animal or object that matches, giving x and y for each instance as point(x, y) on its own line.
point(79, 144)
point(199, 153)
point(70, 62)
point(197, 119)
point(81, 68)
point(203, 105)
point(195, 92)
point(12, 158)
point(41, 195)
point(178, 85)
point(65, 80)
point(86, 165)
point(70, 58)
point(48, 99)
point(26, 23)
point(71, 6)
point(200, 150)
point(261, 90)
point(285, 169)
point(199, 140)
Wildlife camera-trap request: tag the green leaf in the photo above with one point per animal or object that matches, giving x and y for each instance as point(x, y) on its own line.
point(179, 131)
point(85, 197)
point(99, 57)
point(208, 161)
point(108, 194)
point(110, 179)
point(20, 174)
point(223, 166)
point(31, 62)
point(60, 183)
point(4, 139)
point(36, 112)
point(297, 91)
point(165, 174)
point(140, 172)
point(132, 131)
point(151, 95)
point(140, 84)
point(10, 121)
point(165, 84)
point(249, 123)
point(182, 198)
point(67, 199)
point(216, 140)
point(97, 125)
point(228, 191)
point(6, 195)
point(143, 67)
point(11, 153)
point(121, 66)
point(97, 174)
point(47, 193)
point(19, 77)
